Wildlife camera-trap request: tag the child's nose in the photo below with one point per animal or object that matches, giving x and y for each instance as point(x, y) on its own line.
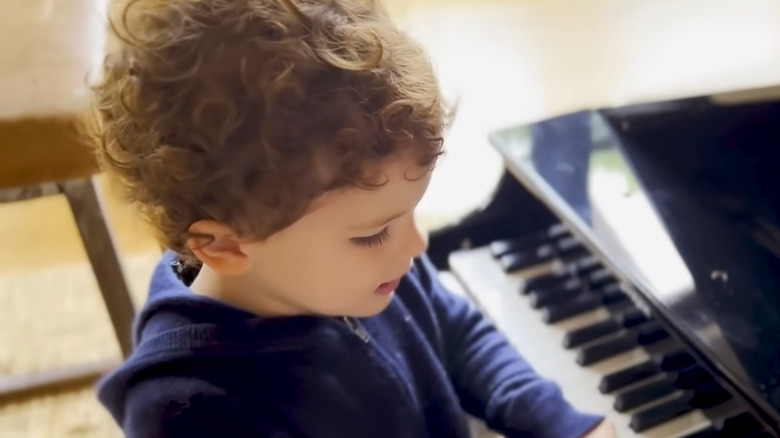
point(418, 240)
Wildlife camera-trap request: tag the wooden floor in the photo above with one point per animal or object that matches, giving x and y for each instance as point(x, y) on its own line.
point(507, 61)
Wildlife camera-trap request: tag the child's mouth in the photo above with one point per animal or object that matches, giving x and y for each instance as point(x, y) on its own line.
point(387, 288)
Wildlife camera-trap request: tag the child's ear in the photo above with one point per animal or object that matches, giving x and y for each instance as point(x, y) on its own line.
point(218, 246)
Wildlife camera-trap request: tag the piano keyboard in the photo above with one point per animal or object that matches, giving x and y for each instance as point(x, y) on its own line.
point(572, 321)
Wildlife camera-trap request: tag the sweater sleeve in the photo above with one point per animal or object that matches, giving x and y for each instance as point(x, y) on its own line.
point(178, 407)
point(491, 378)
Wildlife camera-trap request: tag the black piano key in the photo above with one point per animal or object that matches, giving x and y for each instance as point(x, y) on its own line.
point(529, 241)
point(709, 432)
point(650, 333)
point(566, 281)
point(612, 294)
point(644, 394)
point(550, 280)
point(669, 361)
point(675, 360)
point(590, 333)
point(628, 318)
point(703, 396)
point(519, 260)
point(585, 302)
point(691, 377)
point(644, 334)
point(661, 413)
point(513, 261)
point(709, 394)
point(578, 305)
point(621, 379)
point(523, 244)
point(558, 295)
point(569, 247)
point(632, 317)
point(557, 231)
point(579, 267)
point(600, 278)
point(503, 247)
point(740, 425)
point(585, 265)
point(606, 349)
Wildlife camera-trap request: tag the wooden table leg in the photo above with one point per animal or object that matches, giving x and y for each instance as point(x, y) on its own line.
point(88, 211)
point(17, 388)
point(87, 208)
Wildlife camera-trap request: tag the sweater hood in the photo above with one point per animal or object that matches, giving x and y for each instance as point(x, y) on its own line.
point(176, 323)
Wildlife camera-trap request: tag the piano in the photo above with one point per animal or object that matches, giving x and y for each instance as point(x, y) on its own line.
point(632, 255)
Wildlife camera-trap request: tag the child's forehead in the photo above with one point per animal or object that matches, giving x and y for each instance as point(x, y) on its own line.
point(399, 180)
point(398, 170)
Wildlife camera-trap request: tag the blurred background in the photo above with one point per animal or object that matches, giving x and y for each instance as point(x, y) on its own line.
point(505, 61)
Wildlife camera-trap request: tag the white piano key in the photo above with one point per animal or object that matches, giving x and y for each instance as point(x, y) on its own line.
point(498, 295)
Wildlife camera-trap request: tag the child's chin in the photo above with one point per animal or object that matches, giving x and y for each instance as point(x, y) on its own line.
point(376, 307)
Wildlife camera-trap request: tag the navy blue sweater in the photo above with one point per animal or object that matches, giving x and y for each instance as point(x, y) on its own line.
point(204, 369)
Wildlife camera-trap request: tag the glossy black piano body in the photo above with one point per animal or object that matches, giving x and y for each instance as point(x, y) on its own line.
point(711, 173)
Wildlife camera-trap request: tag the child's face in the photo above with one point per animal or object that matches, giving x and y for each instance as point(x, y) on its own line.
point(344, 256)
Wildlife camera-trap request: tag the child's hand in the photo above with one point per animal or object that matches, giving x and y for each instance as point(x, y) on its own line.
point(603, 430)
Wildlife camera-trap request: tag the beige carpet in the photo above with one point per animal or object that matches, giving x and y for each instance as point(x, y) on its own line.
point(54, 316)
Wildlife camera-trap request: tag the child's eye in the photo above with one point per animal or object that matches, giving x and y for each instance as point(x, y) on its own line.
point(377, 239)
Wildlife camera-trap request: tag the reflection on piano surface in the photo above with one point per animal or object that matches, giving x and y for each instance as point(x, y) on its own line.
point(633, 255)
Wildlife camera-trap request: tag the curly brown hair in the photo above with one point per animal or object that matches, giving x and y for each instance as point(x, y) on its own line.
point(244, 111)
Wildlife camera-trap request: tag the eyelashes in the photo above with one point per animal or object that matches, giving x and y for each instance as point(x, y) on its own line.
point(375, 240)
